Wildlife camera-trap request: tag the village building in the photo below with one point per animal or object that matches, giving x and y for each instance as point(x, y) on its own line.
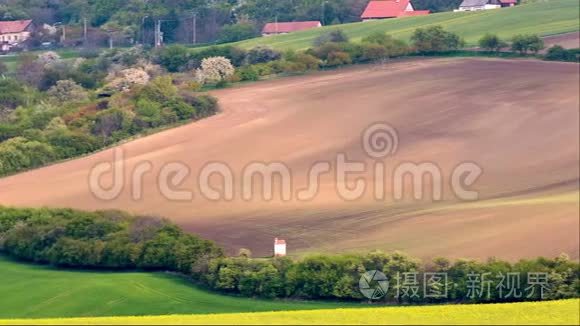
point(279, 247)
point(475, 5)
point(384, 9)
point(288, 27)
point(14, 32)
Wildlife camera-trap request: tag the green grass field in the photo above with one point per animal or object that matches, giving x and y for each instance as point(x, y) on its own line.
point(32, 291)
point(542, 18)
point(564, 312)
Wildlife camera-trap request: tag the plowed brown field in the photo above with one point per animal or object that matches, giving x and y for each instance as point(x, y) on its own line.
point(516, 119)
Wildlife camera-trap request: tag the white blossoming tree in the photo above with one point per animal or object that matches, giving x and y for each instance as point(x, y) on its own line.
point(122, 80)
point(48, 58)
point(214, 69)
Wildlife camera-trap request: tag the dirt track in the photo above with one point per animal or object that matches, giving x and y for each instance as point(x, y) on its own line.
point(518, 120)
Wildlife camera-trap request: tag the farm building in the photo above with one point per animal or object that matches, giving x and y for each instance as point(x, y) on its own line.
point(14, 32)
point(288, 27)
point(279, 247)
point(474, 5)
point(383, 9)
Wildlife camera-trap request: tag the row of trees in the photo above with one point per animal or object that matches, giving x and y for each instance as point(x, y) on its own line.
point(115, 240)
point(407, 280)
point(106, 239)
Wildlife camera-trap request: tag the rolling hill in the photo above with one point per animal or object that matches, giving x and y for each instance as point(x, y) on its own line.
point(43, 292)
point(542, 18)
point(517, 119)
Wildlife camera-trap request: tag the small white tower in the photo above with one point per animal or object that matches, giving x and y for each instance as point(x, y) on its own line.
point(279, 247)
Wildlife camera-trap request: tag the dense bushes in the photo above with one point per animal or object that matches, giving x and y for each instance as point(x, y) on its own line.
point(558, 53)
point(492, 42)
point(435, 39)
point(64, 127)
point(107, 239)
point(527, 43)
point(115, 240)
point(337, 277)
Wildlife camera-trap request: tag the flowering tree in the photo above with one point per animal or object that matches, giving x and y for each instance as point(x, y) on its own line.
point(122, 80)
point(48, 58)
point(214, 69)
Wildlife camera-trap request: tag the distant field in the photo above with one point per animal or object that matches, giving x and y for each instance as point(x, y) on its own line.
point(563, 312)
point(543, 18)
point(31, 291)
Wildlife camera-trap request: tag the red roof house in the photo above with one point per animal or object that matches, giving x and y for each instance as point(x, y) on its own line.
point(288, 27)
point(14, 32)
point(382, 9)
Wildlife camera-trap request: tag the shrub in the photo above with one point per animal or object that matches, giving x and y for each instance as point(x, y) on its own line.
point(182, 110)
point(310, 62)
point(491, 42)
point(68, 143)
point(262, 54)
point(334, 36)
point(248, 73)
point(19, 153)
point(67, 91)
point(338, 58)
point(372, 52)
point(174, 58)
point(527, 43)
point(160, 89)
point(435, 39)
point(12, 93)
point(558, 53)
point(392, 46)
point(237, 32)
point(107, 122)
point(148, 113)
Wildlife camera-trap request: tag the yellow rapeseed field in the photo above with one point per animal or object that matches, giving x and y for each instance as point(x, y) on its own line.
point(563, 312)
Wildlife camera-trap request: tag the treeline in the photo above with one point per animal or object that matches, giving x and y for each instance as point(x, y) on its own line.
point(114, 240)
point(338, 277)
point(105, 239)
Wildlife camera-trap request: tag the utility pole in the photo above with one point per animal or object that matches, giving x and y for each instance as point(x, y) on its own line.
point(158, 33)
point(85, 30)
point(323, 12)
point(194, 13)
point(143, 30)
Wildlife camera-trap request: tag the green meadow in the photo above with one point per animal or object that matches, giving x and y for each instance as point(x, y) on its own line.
point(542, 18)
point(34, 291)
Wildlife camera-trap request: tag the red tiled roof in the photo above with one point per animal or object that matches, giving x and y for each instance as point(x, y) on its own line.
point(385, 9)
point(15, 26)
point(273, 28)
